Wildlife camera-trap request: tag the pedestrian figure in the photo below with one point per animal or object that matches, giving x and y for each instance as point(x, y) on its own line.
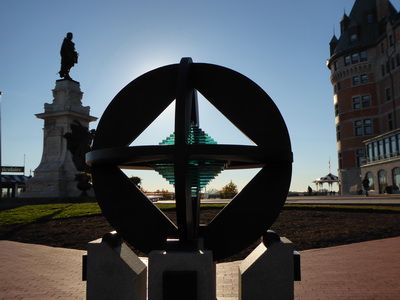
point(365, 184)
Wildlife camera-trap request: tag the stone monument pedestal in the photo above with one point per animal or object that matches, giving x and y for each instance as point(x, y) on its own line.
point(181, 275)
point(114, 272)
point(54, 177)
point(268, 273)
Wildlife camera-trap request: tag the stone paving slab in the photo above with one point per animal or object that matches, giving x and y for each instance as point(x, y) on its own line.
point(30, 271)
point(368, 270)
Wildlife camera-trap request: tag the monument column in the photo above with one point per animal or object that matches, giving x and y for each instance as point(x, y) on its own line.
point(54, 177)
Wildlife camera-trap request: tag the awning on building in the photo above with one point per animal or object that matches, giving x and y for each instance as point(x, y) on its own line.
point(14, 178)
point(12, 185)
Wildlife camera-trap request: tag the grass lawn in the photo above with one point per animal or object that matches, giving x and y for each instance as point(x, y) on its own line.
point(45, 212)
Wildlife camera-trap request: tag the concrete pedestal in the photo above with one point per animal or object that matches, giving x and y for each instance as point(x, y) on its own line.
point(268, 273)
point(54, 177)
point(181, 275)
point(114, 273)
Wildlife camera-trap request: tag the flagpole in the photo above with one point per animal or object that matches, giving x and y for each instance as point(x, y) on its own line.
point(329, 165)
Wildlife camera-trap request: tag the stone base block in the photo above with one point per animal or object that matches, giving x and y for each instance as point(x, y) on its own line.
point(114, 273)
point(182, 275)
point(48, 188)
point(268, 273)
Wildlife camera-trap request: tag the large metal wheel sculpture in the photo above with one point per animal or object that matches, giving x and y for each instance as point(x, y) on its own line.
point(240, 100)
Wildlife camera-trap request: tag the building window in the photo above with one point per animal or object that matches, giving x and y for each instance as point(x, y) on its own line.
point(370, 153)
point(363, 56)
point(393, 145)
point(360, 157)
point(365, 101)
point(336, 65)
point(338, 86)
point(353, 37)
point(387, 147)
point(340, 162)
point(354, 58)
point(396, 178)
point(358, 128)
point(337, 133)
point(387, 67)
point(376, 151)
point(361, 102)
point(336, 110)
point(364, 78)
point(393, 64)
point(370, 18)
point(367, 126)
point(390, 121)
point(391, 40)
point(383, 70)
point(363, 127)
point(382, 179)
point(381, 149)
point(356, 80)
point(388, 93)
point(382, 48)
point(356, 102)
point(370, 178)
point(398, 143)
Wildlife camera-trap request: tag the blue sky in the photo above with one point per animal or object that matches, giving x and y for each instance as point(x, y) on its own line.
point(281, 45)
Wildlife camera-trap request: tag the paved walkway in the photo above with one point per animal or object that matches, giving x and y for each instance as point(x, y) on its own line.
point(368, 270)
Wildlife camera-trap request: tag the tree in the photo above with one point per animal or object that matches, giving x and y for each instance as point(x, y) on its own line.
point(136, 180)
point(213, 191)
point(229, 190)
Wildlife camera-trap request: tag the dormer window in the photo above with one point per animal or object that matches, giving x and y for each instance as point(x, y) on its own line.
point(354, 30)
point(370, 14)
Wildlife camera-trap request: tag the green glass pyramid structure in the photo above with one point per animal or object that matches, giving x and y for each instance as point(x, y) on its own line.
point(201, 171)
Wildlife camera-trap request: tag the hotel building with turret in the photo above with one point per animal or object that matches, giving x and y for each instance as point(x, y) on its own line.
point(365, 74)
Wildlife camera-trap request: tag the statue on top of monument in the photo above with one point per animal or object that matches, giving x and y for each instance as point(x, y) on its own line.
point(69, 56)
